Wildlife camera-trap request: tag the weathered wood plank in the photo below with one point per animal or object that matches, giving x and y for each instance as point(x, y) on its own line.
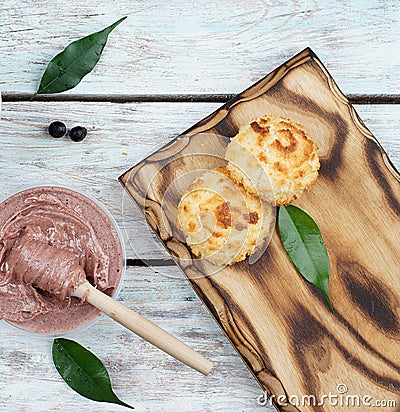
point(120, 135)
point(118, 138)
point(142, 375)
point(205, 48)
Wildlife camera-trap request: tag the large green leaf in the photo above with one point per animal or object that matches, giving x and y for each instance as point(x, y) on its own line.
point(78, 59)
point(305, 247)
point(83, 371)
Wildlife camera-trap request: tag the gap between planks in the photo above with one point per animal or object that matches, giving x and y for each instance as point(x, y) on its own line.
point(176, 98)
point(149, 262)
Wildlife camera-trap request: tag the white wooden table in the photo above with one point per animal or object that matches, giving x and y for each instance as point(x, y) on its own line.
point(167, 66)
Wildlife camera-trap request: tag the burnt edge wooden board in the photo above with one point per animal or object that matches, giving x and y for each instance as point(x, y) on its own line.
point(278, 323)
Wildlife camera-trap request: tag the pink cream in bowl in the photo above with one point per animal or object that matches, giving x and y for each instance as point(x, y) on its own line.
point(55, 229)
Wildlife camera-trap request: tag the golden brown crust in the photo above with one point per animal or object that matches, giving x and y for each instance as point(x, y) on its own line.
point(220, 220)
point(223, 215)
point(273, 158)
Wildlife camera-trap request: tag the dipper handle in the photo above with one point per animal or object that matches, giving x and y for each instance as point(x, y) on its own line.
point(143, 327)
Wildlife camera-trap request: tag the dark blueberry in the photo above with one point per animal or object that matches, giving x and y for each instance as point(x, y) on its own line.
point(57, 129)
point(78, 133)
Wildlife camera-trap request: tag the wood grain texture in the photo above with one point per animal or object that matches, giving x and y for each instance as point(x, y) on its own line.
point(142, 375)
point(167, 47)
point(119, 135)
point(278, 323)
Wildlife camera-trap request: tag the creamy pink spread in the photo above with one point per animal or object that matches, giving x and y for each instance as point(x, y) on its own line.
point(49, 268)
point(52, 240)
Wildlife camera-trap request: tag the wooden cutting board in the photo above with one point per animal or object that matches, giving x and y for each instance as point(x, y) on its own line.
point(280, 325)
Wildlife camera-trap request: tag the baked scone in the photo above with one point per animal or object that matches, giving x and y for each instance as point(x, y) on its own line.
point(221, 221)
point(274, 159)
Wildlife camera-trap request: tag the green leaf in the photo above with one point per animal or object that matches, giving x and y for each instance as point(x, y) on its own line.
point(305, 247)
point(78, 59)
point(83, 371)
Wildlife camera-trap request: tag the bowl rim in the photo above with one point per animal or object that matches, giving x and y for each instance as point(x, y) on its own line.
point(117, 289)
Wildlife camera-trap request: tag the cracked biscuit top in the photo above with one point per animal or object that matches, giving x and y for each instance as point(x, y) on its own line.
point(273, 158)
point(220, 221)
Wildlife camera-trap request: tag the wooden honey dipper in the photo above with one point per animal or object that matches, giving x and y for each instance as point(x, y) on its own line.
point(58, 272)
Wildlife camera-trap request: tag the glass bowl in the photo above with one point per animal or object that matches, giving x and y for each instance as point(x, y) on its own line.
point(78, 316)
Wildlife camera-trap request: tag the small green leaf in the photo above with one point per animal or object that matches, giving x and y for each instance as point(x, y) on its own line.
point(83, 371)
point(305, 247)
point(78, 59)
